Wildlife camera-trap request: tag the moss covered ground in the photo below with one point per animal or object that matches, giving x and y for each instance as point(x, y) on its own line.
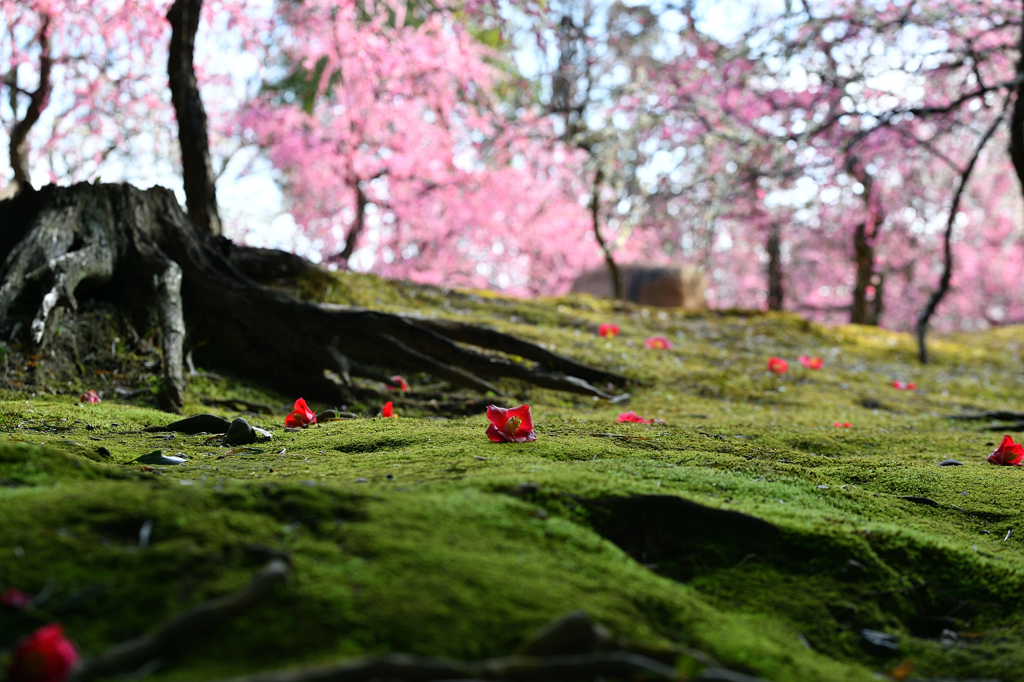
point(745, 524)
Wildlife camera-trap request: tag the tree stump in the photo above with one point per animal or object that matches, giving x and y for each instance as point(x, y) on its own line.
point(107, 240)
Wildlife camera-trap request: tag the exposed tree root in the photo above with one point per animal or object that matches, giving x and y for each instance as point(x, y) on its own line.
point(570, 648)
point(173, 636)
point(607, 664)
point(1017, 419)
point(1000, 415)
point(112, 240)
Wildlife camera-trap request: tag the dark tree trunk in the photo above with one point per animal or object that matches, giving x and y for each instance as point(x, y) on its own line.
point(61, 241)
point(864, 309)
point(1017, 118)
point(877, 305)
point(197, 169)
point(776, 290)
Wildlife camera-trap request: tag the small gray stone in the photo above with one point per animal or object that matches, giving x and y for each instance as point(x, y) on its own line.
point(880, 643)
point(194, 424)
point(157, 457)
point(950, 463)
point(240, 432)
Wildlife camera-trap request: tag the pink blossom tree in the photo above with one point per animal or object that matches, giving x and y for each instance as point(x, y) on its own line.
point(78, 84)
point(393, 119)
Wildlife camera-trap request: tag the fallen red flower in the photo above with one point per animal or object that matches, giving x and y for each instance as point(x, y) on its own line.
point(300, 416)
point(903, 386)
point(513, 425)
point(633, 417)
point(777, 365)
point(1008, 453)
point(388, 410)
point(14, 598)
point(811, 363)
point(403, 385)
point(658, 343)
point(44, 656)
point(608, 330)
point(843, 425)
point(90, 396)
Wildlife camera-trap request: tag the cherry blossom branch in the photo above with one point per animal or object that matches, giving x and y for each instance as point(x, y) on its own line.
point(37, 103)
point(609, 259)
point(947, 238)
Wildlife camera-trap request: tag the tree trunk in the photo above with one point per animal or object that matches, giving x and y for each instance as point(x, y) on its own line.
point(776, 291)
point(864, 257)
point(197, 169)
point(877, 305)
point(37, 102)
point(1017, 118)
point(61, 242)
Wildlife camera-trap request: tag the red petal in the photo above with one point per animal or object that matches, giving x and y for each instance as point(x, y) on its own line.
point(387, 410)
point(292, 421)
point(525, 437)
point(496, 434)
point(497, 415)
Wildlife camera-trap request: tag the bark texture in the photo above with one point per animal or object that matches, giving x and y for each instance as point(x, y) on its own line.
point(776, 289)
point(61, 241)
point(197, 169)
point(1017, 117)
point(867, 303)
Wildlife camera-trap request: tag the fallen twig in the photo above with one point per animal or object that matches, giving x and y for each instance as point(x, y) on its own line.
point(173, 635)
point(617, 435)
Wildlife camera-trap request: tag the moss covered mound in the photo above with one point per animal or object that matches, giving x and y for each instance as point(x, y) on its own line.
point(744, 523)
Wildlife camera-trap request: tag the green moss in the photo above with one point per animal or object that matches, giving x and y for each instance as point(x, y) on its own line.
point(745, 524)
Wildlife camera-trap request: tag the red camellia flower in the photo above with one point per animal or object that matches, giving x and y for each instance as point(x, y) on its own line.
point(300, 416)
point(843, 425)
point(1008, 453)
point(14, 598)
point(633, 417)
point(811, 363)
point(403, 385)
point(44, 656)
point(90, 396)
point(388, 410)
point(608, 330)
point(777, 365)
point(657, 343)
point(903, 386)
point(513, 425)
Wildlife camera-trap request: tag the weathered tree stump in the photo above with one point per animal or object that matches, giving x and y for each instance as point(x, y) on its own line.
point(139, 246)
